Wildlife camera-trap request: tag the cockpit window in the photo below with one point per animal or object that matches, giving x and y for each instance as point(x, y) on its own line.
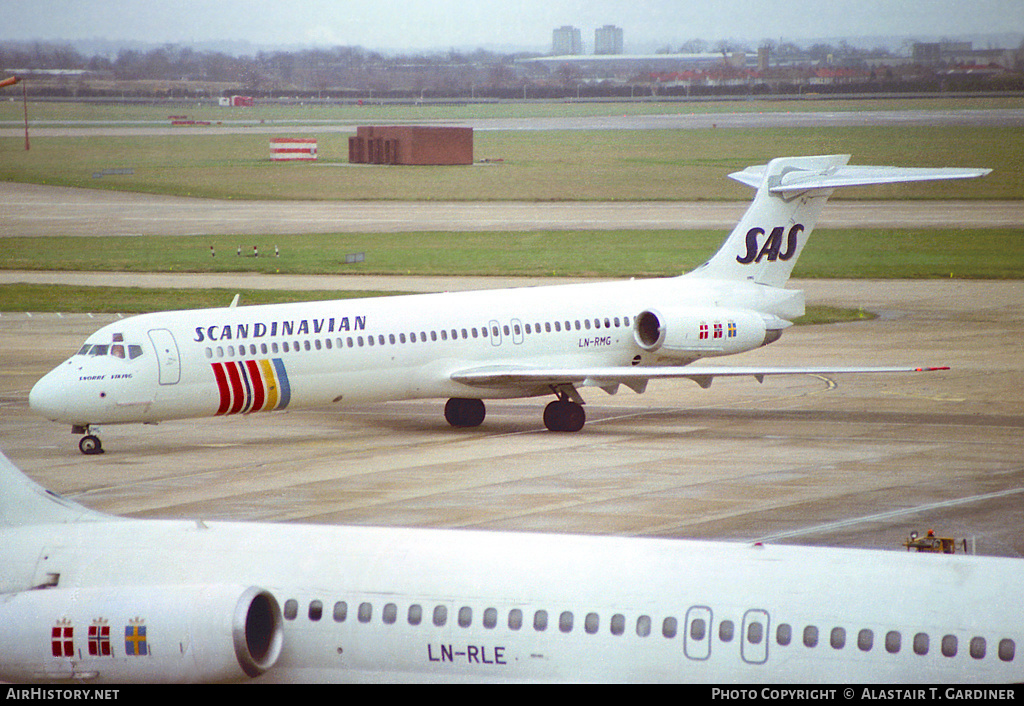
point(117, 350)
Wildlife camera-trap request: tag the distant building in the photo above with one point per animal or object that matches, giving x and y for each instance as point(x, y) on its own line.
point(960, 54)
point(411, 144)
point(927, 53)
point(629, 65)
point(566, 41)
point(608, 40)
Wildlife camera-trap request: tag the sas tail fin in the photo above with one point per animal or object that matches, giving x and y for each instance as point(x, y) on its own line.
point(24, 502)
point(791, 192)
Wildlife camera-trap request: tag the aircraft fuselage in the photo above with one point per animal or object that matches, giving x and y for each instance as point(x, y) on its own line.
point(235, 360)
point(227, 601)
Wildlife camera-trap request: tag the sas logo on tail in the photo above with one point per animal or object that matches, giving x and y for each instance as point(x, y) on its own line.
point(772, 248)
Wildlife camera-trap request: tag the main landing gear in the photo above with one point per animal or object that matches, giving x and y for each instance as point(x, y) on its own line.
point(564, 414)
point(462, 412)
point(89, 444)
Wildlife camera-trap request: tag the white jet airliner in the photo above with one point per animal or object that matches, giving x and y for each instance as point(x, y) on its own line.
point(90, 598)
point(471, 346)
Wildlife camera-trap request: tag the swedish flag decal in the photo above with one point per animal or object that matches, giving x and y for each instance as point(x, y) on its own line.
point(135, 644)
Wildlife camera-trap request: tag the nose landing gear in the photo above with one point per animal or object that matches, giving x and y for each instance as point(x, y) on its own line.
point(89, 444)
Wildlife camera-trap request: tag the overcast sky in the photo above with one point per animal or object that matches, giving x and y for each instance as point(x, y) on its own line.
point(428, 24)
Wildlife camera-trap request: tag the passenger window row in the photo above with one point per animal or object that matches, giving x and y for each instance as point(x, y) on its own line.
point(565, 622)
point(493, 330)
point(514, 619)
point(920, 643)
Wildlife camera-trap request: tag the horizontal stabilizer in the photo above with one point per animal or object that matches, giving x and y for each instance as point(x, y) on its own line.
point(803, 180)
point(519, 377)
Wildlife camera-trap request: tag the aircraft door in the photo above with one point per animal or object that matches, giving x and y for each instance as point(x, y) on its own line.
point(167, 356)
point(495, 333)
point(697, 638)
point(517, 331)
point(754, 640)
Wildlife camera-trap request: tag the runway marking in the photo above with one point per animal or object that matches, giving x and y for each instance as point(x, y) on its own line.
point(842, 524)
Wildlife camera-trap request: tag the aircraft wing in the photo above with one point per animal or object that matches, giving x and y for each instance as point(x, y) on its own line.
point(637, 377)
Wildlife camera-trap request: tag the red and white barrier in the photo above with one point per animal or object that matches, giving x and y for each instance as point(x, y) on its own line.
point(284, 149)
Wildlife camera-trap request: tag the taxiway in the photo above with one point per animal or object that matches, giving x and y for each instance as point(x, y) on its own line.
point(855, 460)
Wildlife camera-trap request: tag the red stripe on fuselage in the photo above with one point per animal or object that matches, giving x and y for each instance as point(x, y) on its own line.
point(256, 380)
point(237, 388)
point(222, 387)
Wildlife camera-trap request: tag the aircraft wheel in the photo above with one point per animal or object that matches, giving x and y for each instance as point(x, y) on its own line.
point(90, 445)
point(563, 415)
point(464, 412)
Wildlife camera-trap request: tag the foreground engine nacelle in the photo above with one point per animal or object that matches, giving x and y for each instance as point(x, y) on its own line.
point(697, 332)
point(168, 634)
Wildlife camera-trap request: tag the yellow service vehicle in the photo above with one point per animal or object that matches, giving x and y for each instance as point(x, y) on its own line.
point(933, 544)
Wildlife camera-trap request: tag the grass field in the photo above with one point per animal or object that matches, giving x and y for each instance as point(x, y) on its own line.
point(641, 165)
point(991, 254)
point(638, 165)
point(59, 113)
point(67, 299)
point(995, 253)
point(138, 300)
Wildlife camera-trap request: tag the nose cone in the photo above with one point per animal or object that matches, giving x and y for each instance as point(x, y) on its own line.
point(49, 396)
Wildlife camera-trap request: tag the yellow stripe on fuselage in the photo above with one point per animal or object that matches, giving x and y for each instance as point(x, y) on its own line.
point(270, 383)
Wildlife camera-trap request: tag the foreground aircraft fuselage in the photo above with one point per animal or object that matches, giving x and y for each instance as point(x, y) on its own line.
point(90, 599)
point(470, 346)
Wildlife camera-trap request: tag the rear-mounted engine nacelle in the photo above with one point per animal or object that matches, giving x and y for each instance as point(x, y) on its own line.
point(139, 634)
point(696, 332)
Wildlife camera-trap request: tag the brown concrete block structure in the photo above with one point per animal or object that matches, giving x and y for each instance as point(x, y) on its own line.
point(411, 144)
